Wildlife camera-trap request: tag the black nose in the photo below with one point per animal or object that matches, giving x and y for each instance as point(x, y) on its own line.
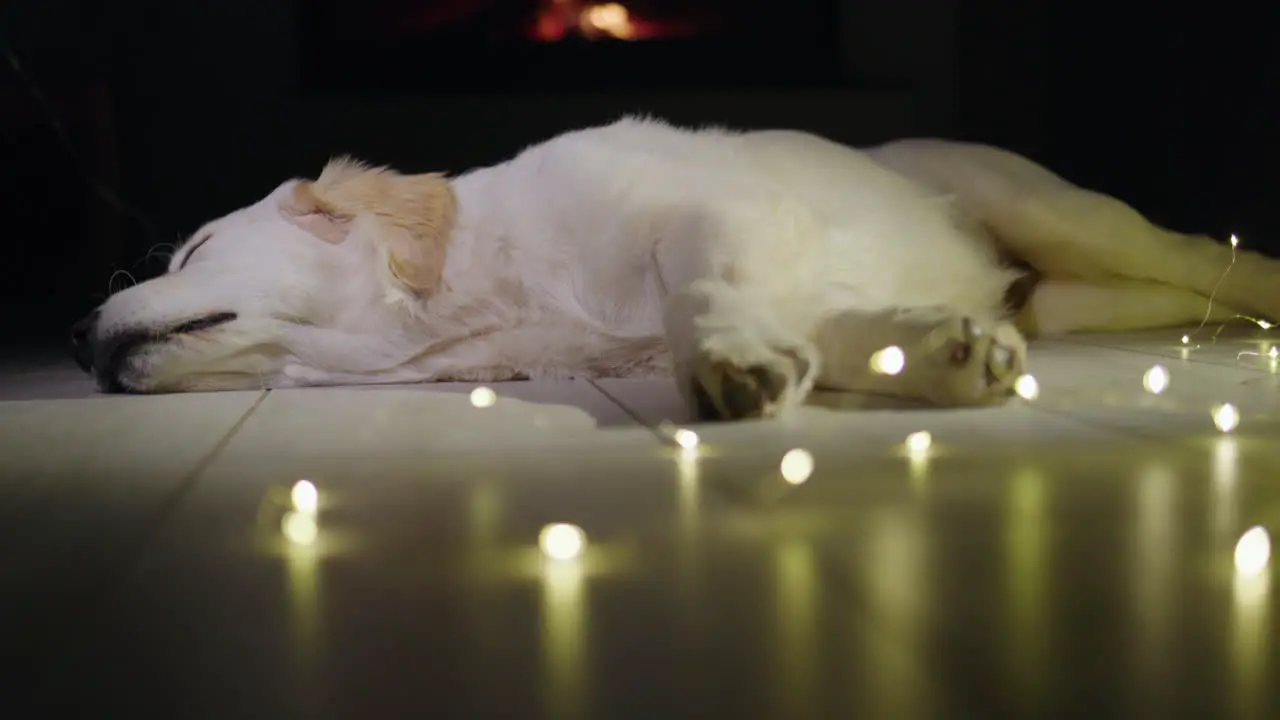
point(82, 341)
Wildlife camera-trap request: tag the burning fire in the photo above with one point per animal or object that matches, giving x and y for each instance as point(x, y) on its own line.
point(611, 19)
point(562, 17)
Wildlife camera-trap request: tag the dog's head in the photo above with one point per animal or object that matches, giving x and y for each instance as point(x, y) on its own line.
point(311, 281)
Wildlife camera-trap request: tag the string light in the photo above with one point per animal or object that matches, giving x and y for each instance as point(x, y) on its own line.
point(483, 397)
point(1256, 321)
point(797, 466)
point(1156, 380)
point(1226, 418)
point(1272, 352)
point(305, 497)
point(889, 361)
point(1253, 552)
point(918, 443)
point(562, 541)
point(1235, 242)
point(686, 439)
point(1264, 324)
point(1027, 387)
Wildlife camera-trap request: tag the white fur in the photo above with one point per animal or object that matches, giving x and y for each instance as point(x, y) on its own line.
point(554, 264)
point(563, 261)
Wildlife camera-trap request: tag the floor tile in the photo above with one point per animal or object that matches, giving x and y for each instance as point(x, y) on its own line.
point(84, 481)
point(43, 376)
point(1072, 555)
point(1236, 346)
point(581, 394)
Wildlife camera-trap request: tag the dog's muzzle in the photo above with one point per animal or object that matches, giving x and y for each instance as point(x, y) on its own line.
point(82, 341)
point(105, 357)
point(99, 357)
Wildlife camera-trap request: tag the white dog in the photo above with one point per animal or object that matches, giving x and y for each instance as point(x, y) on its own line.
point(753, 266)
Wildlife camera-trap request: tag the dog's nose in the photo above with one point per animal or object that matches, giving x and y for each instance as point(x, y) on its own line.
point(82, 341)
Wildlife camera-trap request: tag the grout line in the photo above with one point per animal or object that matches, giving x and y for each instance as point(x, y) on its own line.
point(1168, 442)
point(1149, 353)
point(185, 484)
point(99, 587)
point(640, 420)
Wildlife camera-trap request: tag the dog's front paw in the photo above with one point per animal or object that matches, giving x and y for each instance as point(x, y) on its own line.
point(739, 382)
point(979, 365)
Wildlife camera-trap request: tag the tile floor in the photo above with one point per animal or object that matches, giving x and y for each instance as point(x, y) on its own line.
point(1068, 557)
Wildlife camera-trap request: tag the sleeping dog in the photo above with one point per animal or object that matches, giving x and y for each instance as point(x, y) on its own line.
point(752, 267)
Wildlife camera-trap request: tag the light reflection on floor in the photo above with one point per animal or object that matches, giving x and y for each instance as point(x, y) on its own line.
point(1102, 536)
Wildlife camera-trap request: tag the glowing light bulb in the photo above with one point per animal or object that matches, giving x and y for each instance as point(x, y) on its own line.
point(1156, 380)
point(305, 497)
point(1186, 339)
point(1253, 551)
point(686, 439)
point(1027, 387)
point(797, 466)
point(1235, 241)
point(919, 442)
point(483, 397)
point(1226, 417)
point(562, 541)
point(1274, 352)
point(299, 528)
point(889, 361)
point(1263, 324)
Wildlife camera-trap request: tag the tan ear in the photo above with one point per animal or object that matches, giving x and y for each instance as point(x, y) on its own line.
point(304, 208)
point(413, 215)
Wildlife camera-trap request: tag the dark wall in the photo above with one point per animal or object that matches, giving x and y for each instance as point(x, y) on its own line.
point(204, 99)
point(1166, 109)
point(232, 122)
point(1172, 107)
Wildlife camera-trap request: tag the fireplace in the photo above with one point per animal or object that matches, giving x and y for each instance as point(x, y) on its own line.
point(482, 46)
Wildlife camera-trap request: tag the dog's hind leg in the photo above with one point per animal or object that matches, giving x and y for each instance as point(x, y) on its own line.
point(1074, 233)
point(1059, 307)
point(1070, 233)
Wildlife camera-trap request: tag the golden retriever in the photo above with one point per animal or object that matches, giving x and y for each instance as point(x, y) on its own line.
point(751, 266)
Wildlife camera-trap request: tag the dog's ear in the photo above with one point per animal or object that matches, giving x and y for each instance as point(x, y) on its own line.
point(304, 208)
point(411, 216)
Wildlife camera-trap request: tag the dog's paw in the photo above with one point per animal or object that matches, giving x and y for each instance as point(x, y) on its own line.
point(744, 382)
point(978, 364)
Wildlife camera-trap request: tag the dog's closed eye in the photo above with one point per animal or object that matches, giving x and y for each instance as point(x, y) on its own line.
point(203, 323)
point(193, 246)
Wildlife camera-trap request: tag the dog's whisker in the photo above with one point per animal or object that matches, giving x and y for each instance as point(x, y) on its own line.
point(120, 273)
point(156, 251)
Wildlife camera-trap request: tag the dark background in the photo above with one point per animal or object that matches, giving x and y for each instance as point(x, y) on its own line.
point(186, 110)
